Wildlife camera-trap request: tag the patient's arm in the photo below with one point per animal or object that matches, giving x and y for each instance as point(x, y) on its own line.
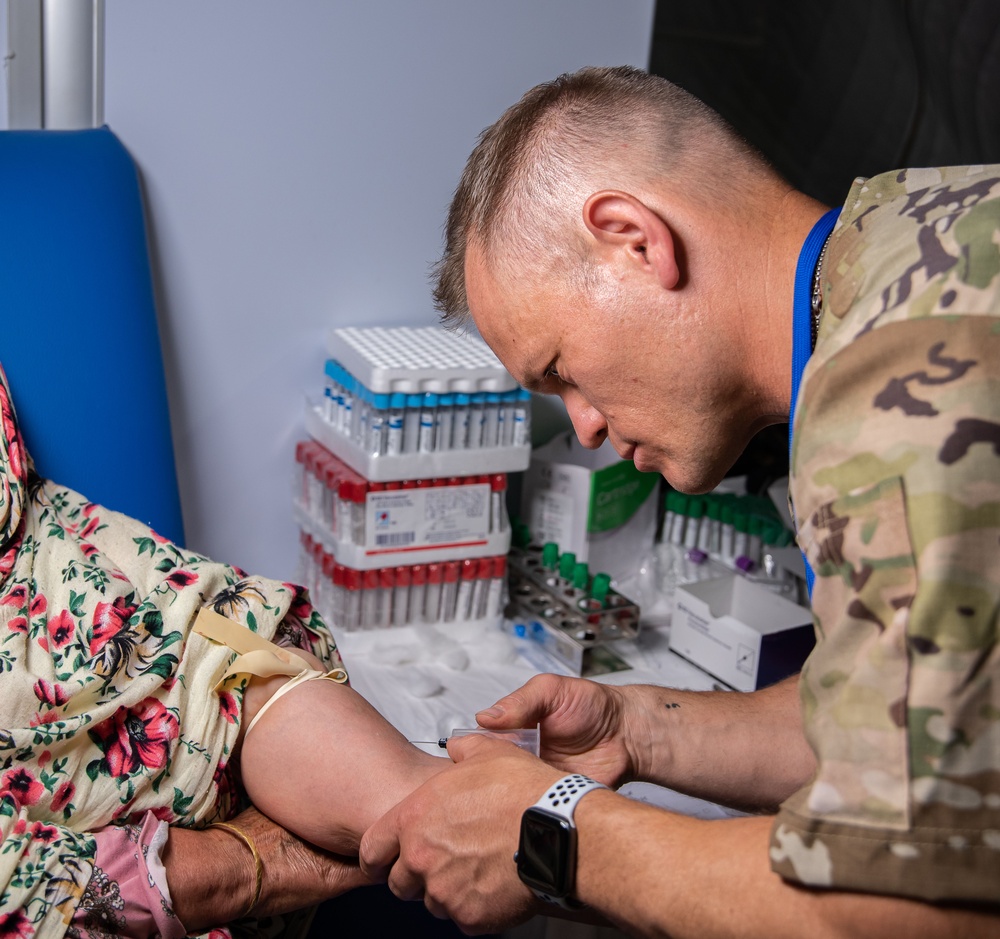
point(324, 763)
point(211, 874)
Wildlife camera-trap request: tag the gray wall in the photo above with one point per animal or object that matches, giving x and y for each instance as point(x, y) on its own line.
point(3, 72)
point(298, 159)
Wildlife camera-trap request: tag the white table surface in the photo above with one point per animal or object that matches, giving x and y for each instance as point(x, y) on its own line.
point(410, 677)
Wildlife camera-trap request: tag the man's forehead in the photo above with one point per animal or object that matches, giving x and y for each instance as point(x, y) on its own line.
point(479, 276)
point(489, 298)
point(508, 317)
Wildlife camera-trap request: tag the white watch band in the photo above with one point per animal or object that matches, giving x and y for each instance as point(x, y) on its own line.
point(561, 799)
point(563, 795)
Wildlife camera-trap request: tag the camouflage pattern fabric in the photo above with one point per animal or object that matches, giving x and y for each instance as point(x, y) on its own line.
point(896, 486)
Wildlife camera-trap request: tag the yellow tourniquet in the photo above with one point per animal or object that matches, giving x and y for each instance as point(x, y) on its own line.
point(259, 657)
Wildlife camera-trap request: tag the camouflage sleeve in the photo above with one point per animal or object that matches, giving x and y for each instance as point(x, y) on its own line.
point(897, 490)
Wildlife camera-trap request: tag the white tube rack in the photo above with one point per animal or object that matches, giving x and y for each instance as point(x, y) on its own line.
point(419, 359)
point(362, 559)
point(385, 468)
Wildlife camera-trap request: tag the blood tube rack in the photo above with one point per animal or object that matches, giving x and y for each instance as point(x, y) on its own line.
point(419, 402)
point(556, 602)
point(370, 524)
point(418, 359)
point(462, 592)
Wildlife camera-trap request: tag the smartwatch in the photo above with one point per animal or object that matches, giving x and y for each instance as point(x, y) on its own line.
point(546, 853)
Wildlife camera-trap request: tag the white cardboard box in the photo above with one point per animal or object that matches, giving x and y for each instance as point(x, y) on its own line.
point(740, 632)
point(591, 502)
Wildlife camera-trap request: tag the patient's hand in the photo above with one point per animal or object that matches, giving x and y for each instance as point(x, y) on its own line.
point(211, 874)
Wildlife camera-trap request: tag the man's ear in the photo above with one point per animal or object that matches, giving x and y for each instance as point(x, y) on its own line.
point(618, 220)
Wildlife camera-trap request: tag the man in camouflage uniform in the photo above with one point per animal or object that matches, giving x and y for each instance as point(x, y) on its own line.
point(618, 245)
point(896, 486)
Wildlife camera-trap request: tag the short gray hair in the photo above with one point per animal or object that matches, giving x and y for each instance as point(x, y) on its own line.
point(566, 133)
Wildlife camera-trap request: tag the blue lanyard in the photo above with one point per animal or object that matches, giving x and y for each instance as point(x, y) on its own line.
point(802, 322)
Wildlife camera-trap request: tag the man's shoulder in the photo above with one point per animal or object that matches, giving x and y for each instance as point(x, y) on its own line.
point(920, 192)
point(913, 243)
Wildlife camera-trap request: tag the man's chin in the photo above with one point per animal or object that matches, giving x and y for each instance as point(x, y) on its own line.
point(690, 480)
point(647, 462)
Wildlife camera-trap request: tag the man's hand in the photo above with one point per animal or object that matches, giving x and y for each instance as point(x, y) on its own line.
point(452, 841)
point(211, 873)
point(585, 727)
point(743, 750)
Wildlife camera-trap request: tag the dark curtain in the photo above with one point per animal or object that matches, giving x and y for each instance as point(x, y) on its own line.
point(833, 90)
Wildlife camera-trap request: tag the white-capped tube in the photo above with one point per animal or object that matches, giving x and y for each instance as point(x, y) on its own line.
point(394, 424)
point(477, 404)
point(428, 409)
point(444, 425)
point(491, 421)
point(378, 420)
point(460, 422)
point(411, 423)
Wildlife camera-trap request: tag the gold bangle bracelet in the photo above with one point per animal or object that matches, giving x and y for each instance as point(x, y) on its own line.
point(258, 863)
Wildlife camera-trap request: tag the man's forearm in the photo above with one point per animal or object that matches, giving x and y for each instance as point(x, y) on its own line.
point(658, 874)
point(743, 750)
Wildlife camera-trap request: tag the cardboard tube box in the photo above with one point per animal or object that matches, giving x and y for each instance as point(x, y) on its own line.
point(741, 633)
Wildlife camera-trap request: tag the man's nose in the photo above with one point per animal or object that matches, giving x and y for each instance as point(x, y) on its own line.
point(589, 423)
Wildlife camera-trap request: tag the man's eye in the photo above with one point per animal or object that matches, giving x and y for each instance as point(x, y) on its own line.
point(553, 373)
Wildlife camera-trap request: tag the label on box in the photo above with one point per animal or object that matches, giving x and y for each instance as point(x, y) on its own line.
point(441, 516)
point(553, 517)
point(616, 494)
point(592, 503)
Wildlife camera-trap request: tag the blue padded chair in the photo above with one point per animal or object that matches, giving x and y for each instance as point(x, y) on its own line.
point(80, 343)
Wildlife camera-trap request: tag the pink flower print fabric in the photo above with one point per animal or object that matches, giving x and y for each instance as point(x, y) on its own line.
point(109, 710)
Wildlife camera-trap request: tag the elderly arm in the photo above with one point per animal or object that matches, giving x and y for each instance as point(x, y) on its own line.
point(211, 874)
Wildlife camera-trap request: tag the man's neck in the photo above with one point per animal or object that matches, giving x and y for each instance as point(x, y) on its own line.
point(785, 230)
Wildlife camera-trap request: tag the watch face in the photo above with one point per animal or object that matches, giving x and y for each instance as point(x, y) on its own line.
point(546, 855)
